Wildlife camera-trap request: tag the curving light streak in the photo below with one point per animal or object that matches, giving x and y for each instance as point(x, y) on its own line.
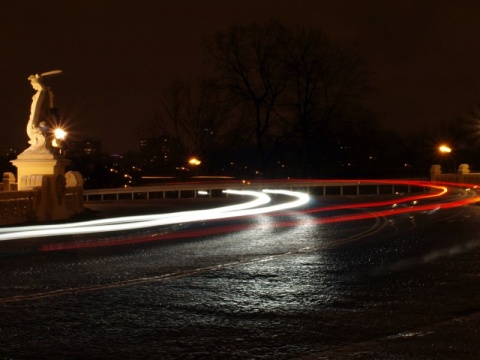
point(145, 221)
point(260, 199)
point(441, 190)
point(254, 207)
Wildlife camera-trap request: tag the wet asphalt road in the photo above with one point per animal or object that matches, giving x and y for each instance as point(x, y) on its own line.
point(268, 287)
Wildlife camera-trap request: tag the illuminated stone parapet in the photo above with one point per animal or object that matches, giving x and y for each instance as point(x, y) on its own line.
point(435, 170)
point(74, 192)
point(463, 169)
point(46, 175)
point(9, 182)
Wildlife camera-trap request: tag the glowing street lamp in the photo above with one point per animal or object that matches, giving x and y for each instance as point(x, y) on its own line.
point(59, 136)
point(444, 149)
point(194, 161)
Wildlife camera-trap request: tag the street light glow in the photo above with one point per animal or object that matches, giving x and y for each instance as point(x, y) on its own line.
point(445, 149)
point(194, 161)
point(60, 134)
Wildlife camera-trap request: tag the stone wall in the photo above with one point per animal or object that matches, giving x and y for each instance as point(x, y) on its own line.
point(42, 198)
point(463, 175)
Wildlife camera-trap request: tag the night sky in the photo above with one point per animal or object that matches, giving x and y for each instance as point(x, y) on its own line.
point(119, 55)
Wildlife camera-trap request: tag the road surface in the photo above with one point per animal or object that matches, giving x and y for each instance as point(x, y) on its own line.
point(307, 283)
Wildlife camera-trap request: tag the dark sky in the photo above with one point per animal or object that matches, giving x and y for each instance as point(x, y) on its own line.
point(118, 55)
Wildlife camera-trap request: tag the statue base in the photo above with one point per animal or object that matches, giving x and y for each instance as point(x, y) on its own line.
point(28, 164)
point(55, 195)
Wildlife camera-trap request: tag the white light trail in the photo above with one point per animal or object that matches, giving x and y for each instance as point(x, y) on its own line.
point(254, 207)
point(260, 199)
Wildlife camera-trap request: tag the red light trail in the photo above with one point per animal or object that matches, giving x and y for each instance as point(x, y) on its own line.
point(435, 199)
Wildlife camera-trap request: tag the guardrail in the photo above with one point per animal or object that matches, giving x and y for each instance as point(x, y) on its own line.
point(215, 189)
point(32, 205)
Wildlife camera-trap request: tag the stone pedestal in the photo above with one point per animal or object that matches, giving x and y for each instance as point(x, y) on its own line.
point(43, 173)
point(47, 163)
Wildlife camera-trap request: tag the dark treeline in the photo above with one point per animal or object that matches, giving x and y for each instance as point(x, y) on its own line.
point(280, 102)
point(288, 102)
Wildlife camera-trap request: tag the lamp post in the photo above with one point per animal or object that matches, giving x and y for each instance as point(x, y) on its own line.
point(59, 138)
point(445, 150)
point(194, 163)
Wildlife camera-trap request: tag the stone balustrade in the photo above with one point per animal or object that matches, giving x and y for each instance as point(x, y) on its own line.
point(463, 175)
point(42, 198)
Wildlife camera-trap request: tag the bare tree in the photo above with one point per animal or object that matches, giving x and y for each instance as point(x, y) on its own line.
point(250, 61)
point(294, 79)
point(322, 80)
point(194, 118)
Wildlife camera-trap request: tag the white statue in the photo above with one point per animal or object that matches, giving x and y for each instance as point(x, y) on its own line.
point(42, 102)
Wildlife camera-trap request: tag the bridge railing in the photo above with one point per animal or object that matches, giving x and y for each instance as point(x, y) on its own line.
point(215, 189)
point(46, 199)
point(463, 175)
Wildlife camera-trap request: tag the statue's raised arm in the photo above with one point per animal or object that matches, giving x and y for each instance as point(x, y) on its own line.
point(39, 109)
